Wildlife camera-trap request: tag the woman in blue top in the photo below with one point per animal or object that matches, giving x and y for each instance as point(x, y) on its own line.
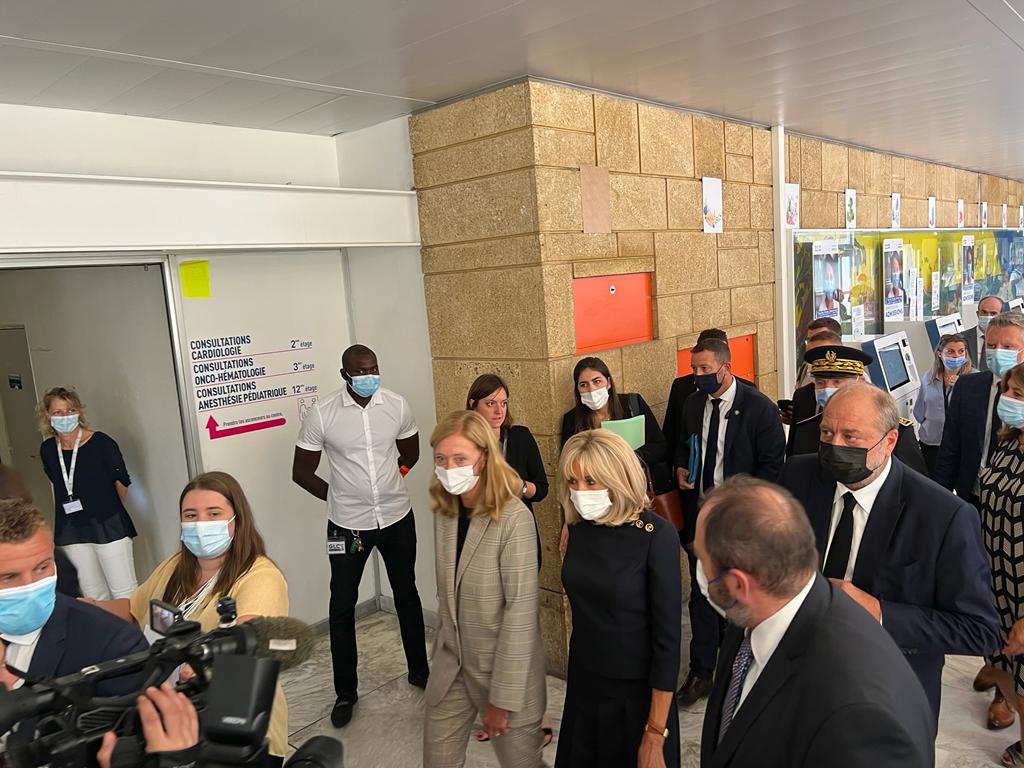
point(90, 482)
point(951, 362)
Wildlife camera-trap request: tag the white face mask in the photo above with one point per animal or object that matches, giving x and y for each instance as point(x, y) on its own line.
point(457, 480)
point(702, 582)
point(595, 399)
point(591, 504)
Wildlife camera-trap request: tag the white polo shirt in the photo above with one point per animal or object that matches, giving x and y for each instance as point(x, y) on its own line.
point(366, 488)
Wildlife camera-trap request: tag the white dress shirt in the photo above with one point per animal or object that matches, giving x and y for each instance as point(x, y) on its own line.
point(766, 636)
point(865, 498)
point(993, 393)
point(728, 398)
point(366, 487)
point(19, 651)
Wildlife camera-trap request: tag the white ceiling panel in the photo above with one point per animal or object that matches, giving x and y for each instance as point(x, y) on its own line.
point(934, 78)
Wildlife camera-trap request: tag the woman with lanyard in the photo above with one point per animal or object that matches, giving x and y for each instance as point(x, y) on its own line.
point(90, 482)
point(951, 362)
point(222, 554)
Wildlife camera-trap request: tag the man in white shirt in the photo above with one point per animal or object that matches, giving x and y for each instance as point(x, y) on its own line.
point(804, 677)
point(371, 441)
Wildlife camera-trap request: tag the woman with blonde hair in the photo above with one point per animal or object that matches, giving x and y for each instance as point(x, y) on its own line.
point(621, 575)
point(488, 655)
point(90, 483)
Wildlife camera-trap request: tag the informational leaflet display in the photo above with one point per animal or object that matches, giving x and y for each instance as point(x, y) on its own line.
point(829, 291)
point(912, 302)
point(858, 321)
point(936, 293)
point(920, 298)
point(895, 293)
point(967, 267)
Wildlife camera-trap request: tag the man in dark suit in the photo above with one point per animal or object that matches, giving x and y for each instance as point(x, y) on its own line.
point(833, 366)
point(805, 677)
point(735, 429)
point(46, 634)
point(899, 544)
point(988, 307)
point(683, 387)
point(804, 405)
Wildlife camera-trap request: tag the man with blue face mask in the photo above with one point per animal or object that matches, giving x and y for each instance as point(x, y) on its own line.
point(371, 440)
point(833, 366)
point(46, 634)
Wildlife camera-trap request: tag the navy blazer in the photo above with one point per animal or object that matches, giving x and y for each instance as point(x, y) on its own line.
point(755, 443)
point(78, 635)
point(963, 436)
point(922, 557)
point(835, 693)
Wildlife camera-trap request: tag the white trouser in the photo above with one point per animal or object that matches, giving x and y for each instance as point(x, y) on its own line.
point(105, 571)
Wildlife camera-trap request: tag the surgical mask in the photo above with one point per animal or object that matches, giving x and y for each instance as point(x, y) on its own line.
point(846, 463)
point(1001, 360)
point(897, 281)
point(206, 538)
point(983, 321)
point(27, 608)
point(591, 504)
point(595, 399)
point(953, 363)
point(829, 287)
point(65, 424)
point(705, 589)
point(708, 382)
point(823, 395)
point(1011, 411)
point(365, 386)
point(457, 480)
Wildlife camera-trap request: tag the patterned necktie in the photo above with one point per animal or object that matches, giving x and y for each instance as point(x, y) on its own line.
point(740, 667)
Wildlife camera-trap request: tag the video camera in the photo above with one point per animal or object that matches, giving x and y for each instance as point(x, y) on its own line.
point(61, 721)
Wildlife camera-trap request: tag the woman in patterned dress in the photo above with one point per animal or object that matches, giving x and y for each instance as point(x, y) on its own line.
point(1002, 511)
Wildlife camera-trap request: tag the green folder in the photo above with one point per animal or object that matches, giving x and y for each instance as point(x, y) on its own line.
point(631, 430)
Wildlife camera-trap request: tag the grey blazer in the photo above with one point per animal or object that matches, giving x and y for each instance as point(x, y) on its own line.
point(489, 612)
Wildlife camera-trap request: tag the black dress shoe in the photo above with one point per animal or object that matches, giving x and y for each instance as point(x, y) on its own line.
point(419, 679)
point(342, 713)
point(694, 689)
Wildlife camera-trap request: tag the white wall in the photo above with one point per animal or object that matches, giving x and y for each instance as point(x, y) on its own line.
point(48, 140)
point(103, 330)
point(378, 157)
point(390, 316)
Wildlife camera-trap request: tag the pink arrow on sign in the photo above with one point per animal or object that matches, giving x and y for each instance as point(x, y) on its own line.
point(215, 433)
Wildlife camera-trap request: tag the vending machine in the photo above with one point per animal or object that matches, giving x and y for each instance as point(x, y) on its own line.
point(894, 370)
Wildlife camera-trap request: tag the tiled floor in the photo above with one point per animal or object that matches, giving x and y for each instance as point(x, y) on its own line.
point(386, 731)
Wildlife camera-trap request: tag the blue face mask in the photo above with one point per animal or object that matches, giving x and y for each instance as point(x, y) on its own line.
point(25, 609)
point(1011, 411)
point(365, 386)
point(830, 288)
point(1001, 360)
point(983, 321)
point(65, 424)
point(707, 382)
point(823, 395)
point(953, 363)
point(206, 538)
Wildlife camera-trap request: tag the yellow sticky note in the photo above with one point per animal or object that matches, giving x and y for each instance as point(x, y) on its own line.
point(195, 279)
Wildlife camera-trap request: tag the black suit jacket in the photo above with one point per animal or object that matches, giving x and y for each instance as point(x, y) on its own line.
point(835, 693)
point(963, 435)
point(971, 337)
point(922, 557)
point(682, 388)
point(755, 443)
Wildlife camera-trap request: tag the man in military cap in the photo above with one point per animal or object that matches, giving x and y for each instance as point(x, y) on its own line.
point(834, 366)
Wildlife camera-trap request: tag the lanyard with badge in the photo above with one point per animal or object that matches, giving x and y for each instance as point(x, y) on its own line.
point(72, 505)
point(337, 544)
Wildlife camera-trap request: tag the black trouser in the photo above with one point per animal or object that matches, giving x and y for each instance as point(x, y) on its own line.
point(705, 625)
point(930, 453)
point(397, 545)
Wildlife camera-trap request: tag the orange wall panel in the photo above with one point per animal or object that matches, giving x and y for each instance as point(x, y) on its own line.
point(612, 311)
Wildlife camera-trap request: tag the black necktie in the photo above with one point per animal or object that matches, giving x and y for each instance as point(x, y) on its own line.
point(842, 541)
point(711, 451)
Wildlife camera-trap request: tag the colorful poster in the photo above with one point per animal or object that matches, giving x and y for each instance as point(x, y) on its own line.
point(967, 268)
point(858, 321)
point(895, 294)
point(791, 205)
point(1004, 216)
point(712, 204)
point(829, 294)
point(984, 215)
point(936, 293)
point(959, 213)
point(851, 209)
point(931, 213)
point(895, 210)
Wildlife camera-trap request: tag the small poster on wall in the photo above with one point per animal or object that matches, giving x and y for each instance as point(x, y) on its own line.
point(984, 215)
point(830, 292)
point(851, 209)
point(791, 205)
point(959, 213)
point(895, 295)
point(967, 267)
point(895, 210)
point(931, 213)
point(712, 204)
point(1004, 216)
point(936, 293)
point(920, 297)
point(858, 321)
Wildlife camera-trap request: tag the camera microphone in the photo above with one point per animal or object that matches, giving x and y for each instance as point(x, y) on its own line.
point(283, 639)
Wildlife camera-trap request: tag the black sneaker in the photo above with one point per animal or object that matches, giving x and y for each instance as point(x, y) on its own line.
point(342, 713)
point(694, 689)
point(419, 679)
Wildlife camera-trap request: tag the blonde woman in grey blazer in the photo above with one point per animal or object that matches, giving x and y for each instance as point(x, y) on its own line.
point(488, 656)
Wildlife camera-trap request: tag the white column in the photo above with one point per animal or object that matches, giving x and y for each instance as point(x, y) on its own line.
point(785, 319)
